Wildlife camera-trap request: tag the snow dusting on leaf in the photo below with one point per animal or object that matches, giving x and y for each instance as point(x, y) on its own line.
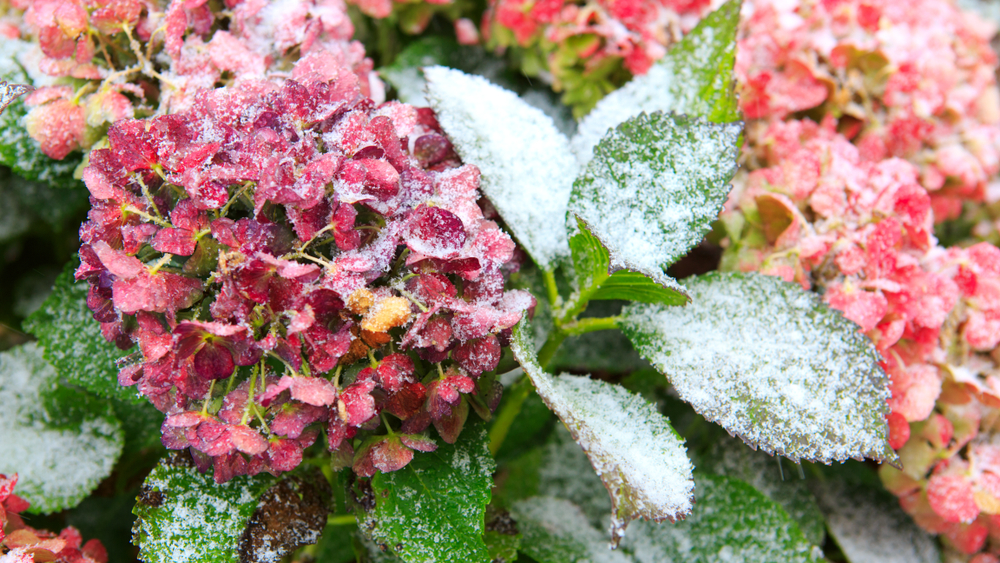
point(557, 531)
point(732, 521)
point(527, 165)
point(653, 189)
point(868, 525)
point(772, 364)
point(73, 341)
point(432, 509)
point(638, 455)
point(183, 515)
point(60, 459)
point(695, 79)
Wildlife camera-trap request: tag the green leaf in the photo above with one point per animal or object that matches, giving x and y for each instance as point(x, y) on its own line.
point(868, 525)
point(62, 443)
point(783, 485)
point(17, 149)
point(183, 515)
point(73, 341)
point(526, 163)
point(654, 187)
point(557, 531)
point(592, 264)
point(695, 78)
point(772, 364)
point(336, 545)
point(635, 451)
point(731, 521)
point(433, 509)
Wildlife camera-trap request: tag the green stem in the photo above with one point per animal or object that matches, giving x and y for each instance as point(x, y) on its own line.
point(341, 520)
point(550, 287)
point(591, 324)
point(508, 412)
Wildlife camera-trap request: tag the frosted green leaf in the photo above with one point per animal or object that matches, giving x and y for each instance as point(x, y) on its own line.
point(868, 525)
point(60, 446)
point(772, 364)
point(731, 521)
point(781, 483)
point(17, 149)
point(526, 163)
point(695, 78)
point(654, 187)
point(557, 531)
point(432, 510)
point(638, 455)
point(183, 515)
point(592, 264)
point(73, 341)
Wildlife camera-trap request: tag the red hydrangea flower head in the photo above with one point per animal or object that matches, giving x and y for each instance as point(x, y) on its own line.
point(262, 243)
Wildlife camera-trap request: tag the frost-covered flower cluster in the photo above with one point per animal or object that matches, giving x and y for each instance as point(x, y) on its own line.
point(912, 80)
point(20, 543)
point(289, 257)
point(908, 131)
point(587, 49)
point(131, 58)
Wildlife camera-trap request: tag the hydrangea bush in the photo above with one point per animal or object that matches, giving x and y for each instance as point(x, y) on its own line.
point(309, 317)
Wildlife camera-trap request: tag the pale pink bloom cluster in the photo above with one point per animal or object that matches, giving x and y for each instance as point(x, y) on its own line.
point(138, 58)
point(636, 31)
point(913, 80)
point(907, 106)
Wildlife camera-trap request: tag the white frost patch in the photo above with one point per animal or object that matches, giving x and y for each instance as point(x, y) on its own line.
point(770, 363)
point(869, 526)
point(653, 189)
point(58, 466)
point(639, 457)
point(558, 528)
point(527, 165)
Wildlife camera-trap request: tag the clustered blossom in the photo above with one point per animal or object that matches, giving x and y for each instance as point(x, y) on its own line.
point(20, 543)
point(588, 48)
point(913, 80)
point(132, 58)
point(291, 257)
point(839, 207)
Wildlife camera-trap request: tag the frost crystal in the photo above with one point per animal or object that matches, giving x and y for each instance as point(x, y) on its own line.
point(639, 457)
point(770, 363)
point(527, 165)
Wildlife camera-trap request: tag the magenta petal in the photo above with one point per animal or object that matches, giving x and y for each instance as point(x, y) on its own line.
point(247, 440)
point(313, 391)
point(434, 231)
point(390, 455)
point(214, 362)
point(175, 241)
point(274, 390)
point(117, 262)
point(419, 442)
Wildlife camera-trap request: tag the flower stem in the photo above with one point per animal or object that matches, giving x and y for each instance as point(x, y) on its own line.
point(519, 392)
point(341, 520)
